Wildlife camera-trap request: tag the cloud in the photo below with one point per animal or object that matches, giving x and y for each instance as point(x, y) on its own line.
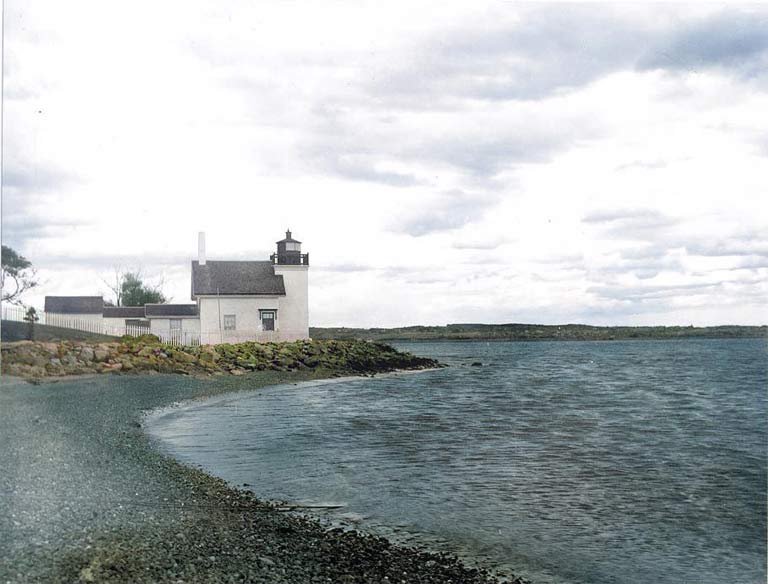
point(644, 217)
point(639, 224)
point(651, 292)
point(535, 151)
point(484, 242)
point(19, 228)
point(449, 210)
point(732, 41)
point(524, 54)
point(346, 268)
point(403, 149)
point(33, 178)
point(29, 192)
point(159, 259)
point(362, 168)
point(743, 244)
point(536, 52)
point(642, 165)
point(758, 263)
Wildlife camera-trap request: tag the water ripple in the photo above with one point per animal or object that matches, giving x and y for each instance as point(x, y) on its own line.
point(585, 462)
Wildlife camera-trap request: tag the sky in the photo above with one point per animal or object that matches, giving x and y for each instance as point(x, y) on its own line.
point(441, 162)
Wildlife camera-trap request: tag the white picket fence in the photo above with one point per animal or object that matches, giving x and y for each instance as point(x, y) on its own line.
point(98, 326)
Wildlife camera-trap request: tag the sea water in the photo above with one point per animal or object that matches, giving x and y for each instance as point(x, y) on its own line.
point(563, 462)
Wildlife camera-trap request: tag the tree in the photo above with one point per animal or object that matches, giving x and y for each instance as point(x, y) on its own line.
point(17, 276)
point(31, 318)
point(116, 286)
point(31, 315)
point(130, 289)
point(134, 292)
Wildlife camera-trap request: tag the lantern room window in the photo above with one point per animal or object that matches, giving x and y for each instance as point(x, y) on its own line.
point(291, 246)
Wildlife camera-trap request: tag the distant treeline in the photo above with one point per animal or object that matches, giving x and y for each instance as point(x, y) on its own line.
point(538, 332)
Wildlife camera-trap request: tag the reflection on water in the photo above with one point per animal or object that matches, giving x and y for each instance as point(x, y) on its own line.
point(565, 462)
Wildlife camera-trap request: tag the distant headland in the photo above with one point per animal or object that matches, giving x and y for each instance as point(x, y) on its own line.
point(538, 332)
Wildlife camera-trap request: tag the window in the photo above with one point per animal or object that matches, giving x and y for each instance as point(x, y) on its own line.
point(175, 324)
point(290, 246)
point(267, 320)
point(229, 322)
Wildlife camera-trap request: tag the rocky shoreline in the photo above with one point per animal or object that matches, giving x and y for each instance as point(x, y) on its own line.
point(146, 354)
point(87, 498)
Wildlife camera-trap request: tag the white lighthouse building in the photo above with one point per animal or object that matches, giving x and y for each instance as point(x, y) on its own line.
point(253, 300)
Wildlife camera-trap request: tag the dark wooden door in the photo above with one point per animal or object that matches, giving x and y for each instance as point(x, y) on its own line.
point(268, 320)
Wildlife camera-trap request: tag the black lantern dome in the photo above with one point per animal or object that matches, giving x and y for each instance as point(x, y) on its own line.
point(289, 252)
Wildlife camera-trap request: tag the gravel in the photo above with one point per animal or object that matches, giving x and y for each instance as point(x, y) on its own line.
point(84, 497)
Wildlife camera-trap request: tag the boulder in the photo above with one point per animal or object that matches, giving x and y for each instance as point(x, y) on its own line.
point(183, 357)
point(69, 360)
point(24, 356)
point(36, 371)
point(50, 348)
point(100, 355)
point(14, 369)
point(86, 354)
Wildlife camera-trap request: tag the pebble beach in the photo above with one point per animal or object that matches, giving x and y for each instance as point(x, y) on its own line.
point(87, 498)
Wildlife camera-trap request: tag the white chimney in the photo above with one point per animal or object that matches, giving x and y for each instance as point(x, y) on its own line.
point(201, 248)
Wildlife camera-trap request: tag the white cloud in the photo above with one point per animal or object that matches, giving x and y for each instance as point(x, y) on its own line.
point(517, 163)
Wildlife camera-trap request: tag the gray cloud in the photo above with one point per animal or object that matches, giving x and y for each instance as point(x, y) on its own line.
point(642, 165)
point(362, 168)
point(732, 40)
point(107, 262)
point(647, 251)
point(453, 209)
point(553, 49)
point(30, 188)
point(651, 292)
point(349, 268)
point(20, 228)
point(31, 178)
point(488, 244)
point(631, 224)
point(642, 270)
point(654, 297)
point(649, 217)
point(548, 50)
point(745, 244)
point(355, 143)
point(752, 263)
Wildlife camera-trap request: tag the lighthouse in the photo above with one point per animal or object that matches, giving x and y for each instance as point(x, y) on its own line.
point(293, 266)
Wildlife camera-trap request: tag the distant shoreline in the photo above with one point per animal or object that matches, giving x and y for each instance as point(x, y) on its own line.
point(535, 332)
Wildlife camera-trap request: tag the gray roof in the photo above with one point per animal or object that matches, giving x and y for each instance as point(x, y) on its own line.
point(74, 304)
point(171, 310)
point(123, 312)
point(231, 277)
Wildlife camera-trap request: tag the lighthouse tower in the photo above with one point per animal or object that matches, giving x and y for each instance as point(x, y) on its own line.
point(293, 266)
